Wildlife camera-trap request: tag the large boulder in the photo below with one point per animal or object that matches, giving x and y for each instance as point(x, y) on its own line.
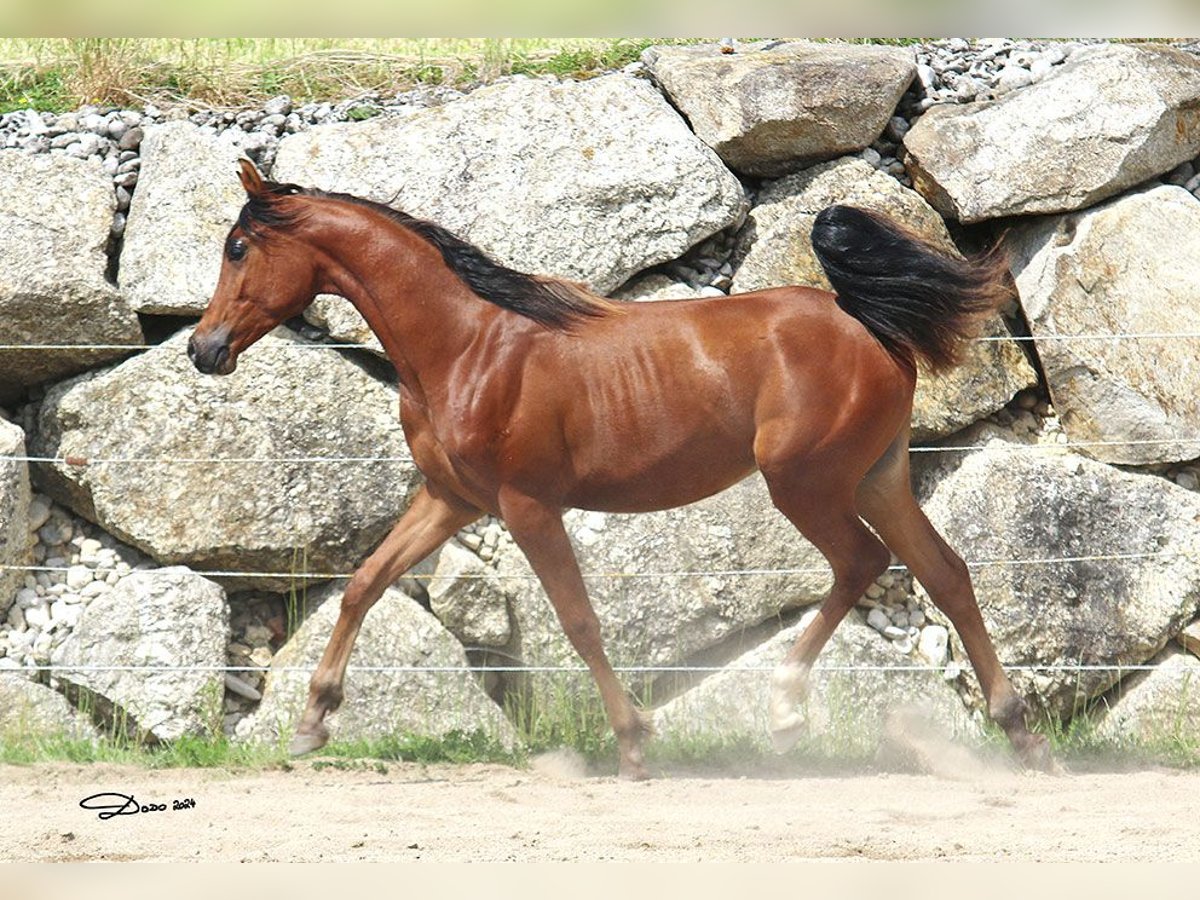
point(857, 684)
point(1158, 706)
point(1116, 269)
point(195, 493)
point(438, 695)
point(1110, 117)
point(775, 247)
point(669, 585)
point(146, 655)
point(770, 108)
point(591, 181)
point(55, 216)
point(15, 541)
point(187, 199)
point(1077, 566)
point(468, 598)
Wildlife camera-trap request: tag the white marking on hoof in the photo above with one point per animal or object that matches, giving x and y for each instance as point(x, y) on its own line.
point(789, 688)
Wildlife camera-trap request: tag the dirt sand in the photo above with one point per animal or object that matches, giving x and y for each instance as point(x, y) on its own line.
point(551, 812)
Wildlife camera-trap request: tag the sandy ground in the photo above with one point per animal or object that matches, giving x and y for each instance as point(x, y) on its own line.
point(552, 812)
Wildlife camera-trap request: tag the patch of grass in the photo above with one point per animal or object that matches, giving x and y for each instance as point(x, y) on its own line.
point(186, 752)
point(453, 747)
point(26, 88)
point(296, 602)
point(568, 714)
point(60, 74)
point(576, 62)
point(359, 113)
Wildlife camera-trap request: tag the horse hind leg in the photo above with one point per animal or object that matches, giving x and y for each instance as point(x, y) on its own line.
point(826, 516)
point(886, 501)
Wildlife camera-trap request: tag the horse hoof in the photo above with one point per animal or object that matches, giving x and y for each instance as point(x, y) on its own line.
point(307, 742)
point(1036, 755)
point(633, 772)
point(785, 734)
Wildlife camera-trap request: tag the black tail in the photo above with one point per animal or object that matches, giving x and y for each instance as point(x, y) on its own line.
point(919, 301)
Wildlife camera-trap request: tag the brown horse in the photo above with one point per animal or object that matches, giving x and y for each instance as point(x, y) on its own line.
point(522, 396)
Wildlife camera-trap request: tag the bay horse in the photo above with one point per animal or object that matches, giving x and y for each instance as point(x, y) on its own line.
point(522, 396)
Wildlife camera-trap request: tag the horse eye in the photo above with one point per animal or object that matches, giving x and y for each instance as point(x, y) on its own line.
point(236, 249)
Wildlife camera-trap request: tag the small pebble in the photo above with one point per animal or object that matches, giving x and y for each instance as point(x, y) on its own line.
point(878, 619)
point(78, 576)
point(241, 688)
point(38, 617)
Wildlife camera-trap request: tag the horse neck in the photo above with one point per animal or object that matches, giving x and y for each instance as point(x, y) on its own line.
point(423, 314)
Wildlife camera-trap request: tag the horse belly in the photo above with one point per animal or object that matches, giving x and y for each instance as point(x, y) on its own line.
point(647, 481)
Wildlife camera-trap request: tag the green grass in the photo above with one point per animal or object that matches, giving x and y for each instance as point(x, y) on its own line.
point(568, 715)
point(459, 747)
point(58, 75)
point(186, 752)
point(1077, 747)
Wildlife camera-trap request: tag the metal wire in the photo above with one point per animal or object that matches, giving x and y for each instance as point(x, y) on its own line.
point(1049, 667)
point(680, 573)
point(80, 461)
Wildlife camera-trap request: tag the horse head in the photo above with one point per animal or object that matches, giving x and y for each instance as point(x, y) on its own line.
point(268, 275)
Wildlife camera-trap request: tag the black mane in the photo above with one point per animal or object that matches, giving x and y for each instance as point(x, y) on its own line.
point(548, 301)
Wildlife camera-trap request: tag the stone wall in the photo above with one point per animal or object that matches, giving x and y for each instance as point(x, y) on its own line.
point(695, 172)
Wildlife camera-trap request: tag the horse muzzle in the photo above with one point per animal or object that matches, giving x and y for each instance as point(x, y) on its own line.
point(211, 354)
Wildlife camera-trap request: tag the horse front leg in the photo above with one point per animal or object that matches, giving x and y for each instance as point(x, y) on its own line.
point(430, 521)
point(538, 530)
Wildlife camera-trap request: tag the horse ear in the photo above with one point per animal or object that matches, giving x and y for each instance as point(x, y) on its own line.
point(251, 180)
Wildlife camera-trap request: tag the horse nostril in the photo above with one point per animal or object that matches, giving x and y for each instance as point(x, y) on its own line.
point(191, 349)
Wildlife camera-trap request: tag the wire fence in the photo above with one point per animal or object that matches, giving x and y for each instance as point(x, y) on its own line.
point(82, 461)
point(580, 669)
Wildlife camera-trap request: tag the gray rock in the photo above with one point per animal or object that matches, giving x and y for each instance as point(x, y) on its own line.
point(15, 544)
point(379, 704)
point(771, 108)
point(55, 215)
point(1189, 638)
point(244, 516)
point(131, 139)
point(169, 618)
point(1158, 706)
point(878, 619)
point(278, 106)
point(849, 703)
point(933, 645)
point(777, 250)
point(654, 286)
point(1003, 503)
point(591, 181)
point(1110, 117)
point(653, 619)
point(236, 685)
point(1110, 270)
point(188, 197)
point(467, 598)
point(343, 322)
point(33, 711)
